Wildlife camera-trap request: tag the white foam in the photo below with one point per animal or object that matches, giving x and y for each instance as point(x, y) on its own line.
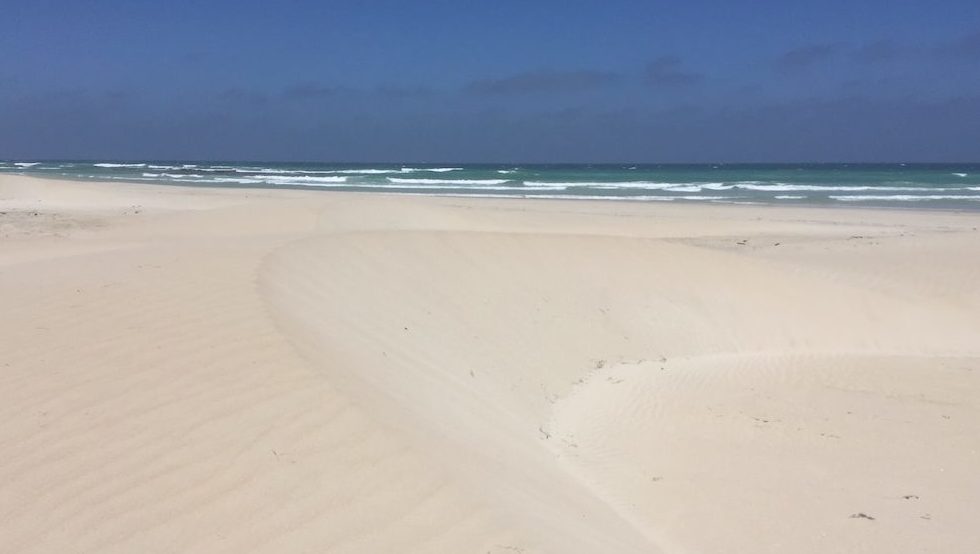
point(961, 174)
point(297, 180)
point(279, 171)
point(335, 182)
point(903, 197)
point(243, 180)
point(434, 189)
point(448, 181)
point(261, 179)
point(651, 185)
point(371, 171)
point(178, 175)
point(26, 164)
point(613, 185)
point(284, 171)
point(789, 197)
point(713, 198)
point(783, 187)
point(118, 165)
point(655, 198)
point(545, 184)
point(434, 169)
point(643, 185)
point(367, 171)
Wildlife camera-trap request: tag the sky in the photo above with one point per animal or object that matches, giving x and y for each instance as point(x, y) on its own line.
point(491, 81)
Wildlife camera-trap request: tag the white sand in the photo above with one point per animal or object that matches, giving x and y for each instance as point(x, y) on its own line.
point(193, 370)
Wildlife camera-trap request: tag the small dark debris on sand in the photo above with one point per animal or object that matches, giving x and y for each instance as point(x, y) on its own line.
point(862, 515)
point(911, 497)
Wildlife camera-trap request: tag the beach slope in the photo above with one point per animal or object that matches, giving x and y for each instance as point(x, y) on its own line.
point(247, 370)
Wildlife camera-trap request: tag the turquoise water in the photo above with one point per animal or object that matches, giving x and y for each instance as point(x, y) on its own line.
point(922, 185)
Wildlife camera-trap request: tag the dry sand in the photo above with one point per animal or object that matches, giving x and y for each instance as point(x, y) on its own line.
point(193, 370)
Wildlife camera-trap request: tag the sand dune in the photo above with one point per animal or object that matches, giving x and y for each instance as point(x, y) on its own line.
point(193, 370)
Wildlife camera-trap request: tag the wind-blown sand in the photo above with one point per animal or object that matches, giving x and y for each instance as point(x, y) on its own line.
point(193, 370)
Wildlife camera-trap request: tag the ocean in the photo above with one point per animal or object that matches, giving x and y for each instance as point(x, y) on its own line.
point(955, 186)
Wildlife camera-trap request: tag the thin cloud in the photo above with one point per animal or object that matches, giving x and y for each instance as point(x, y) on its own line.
point(398, 92)
point(311, 91)
point(243, 96)
point(805, 57)
point(544, 81)
point(967, 47)
point(666, 71)
point(880, 51)
point(194, 56)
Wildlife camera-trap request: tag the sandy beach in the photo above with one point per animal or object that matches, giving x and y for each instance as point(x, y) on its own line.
point(250, 370)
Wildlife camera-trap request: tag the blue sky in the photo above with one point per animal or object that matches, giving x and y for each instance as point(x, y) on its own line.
point(485, 81)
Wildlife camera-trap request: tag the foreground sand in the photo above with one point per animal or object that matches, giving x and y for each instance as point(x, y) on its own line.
point(191, 370)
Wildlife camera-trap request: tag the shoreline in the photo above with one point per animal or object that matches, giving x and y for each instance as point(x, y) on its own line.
point(919, 186)
point(616, 199)
point(239, 369)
